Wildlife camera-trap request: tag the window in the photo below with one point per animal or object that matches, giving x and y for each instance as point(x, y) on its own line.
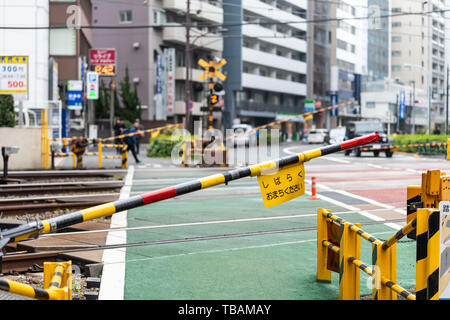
point(125, 16)
point(396, 24)
point(63, 42)
point(370, 105)
point(396, 39)
point(396, 10)
point(396, 68)
point(342, 44)
point(396, 53)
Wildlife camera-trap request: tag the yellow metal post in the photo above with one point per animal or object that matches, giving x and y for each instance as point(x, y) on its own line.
point(433, 255)
point(349, 279)
point(58, 280)
point(448, 148)
point(99, 154)
point(385, 262)
point(421, 253)
point(323, 274)
point(74, 160)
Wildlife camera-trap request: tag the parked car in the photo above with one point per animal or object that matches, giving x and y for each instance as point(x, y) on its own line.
point(243, 133)
point(317, 136)
point(336, 135)
point(362, 128)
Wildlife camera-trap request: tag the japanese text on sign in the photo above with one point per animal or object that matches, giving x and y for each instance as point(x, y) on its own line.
point(14, 76)
point(287, 184)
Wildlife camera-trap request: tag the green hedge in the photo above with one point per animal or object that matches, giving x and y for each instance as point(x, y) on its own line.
point(406, 139)
point(7, 115)
point(161, 147)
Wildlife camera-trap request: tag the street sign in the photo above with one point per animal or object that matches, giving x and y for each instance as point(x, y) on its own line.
point(310, 105)
point(402, 105)
point(92, 85)
point(212, 69)
point(74, 94)
point(14, 76)
point(103, 61)
point(334, 101)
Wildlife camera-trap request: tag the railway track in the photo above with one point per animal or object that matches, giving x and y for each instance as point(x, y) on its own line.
point(59, 187)
point(15, 206)
point(27, 261)
point(62, 174)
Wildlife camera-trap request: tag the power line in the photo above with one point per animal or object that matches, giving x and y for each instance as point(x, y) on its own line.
point(183, 25)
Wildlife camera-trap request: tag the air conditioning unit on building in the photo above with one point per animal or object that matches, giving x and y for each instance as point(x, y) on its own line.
point(159, 17)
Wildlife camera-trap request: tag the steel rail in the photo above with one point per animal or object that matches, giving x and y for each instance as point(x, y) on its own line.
point(33, 229)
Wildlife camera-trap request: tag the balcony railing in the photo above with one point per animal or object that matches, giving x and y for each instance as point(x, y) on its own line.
point(267, 107)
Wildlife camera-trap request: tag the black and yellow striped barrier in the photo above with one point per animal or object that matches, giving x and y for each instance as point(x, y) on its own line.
point(427, 257)
point(33, 229)
point(57, 283)
point(305, 115)
point(349, 251)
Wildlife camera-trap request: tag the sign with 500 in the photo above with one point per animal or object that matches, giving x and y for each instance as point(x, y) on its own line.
point(14, 76)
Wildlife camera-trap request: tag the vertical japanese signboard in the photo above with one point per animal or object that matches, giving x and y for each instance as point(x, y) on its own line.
point(74, 94)
point(92, 85)
point(402, 105)
point(14, 76)
point(170, 81)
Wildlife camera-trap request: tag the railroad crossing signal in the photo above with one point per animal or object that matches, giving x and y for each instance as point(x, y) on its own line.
point(212, 69)
point(213, 99)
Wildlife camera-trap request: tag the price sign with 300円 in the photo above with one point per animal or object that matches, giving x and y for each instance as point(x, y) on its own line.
point(14, 76)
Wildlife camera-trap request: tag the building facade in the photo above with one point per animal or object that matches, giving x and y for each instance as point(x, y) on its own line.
point(273, 56)
point(418, 51)
point(155, 52)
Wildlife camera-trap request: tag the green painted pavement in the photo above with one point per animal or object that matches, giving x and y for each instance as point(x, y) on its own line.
point(269, 266)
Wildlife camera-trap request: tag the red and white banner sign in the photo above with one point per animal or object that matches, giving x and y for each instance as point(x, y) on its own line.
point(102, 56)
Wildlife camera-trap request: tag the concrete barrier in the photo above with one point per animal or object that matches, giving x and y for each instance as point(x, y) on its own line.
point(29, 141)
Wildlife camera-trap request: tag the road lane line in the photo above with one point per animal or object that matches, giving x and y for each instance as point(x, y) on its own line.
point(113, 275)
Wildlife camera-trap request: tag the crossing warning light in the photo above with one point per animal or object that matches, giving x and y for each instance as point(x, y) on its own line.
point(213, 99)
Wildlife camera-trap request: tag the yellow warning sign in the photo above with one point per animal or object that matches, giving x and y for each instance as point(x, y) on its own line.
point(286, 184)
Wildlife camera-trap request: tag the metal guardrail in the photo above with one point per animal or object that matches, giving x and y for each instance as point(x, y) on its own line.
point(345, 250)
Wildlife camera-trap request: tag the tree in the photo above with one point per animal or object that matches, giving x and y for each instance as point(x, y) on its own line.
point(7, 115)
point(131, 103)
point(102, 104)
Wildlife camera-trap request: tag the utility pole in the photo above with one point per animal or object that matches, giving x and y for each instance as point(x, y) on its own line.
point(187, 89)
point(111, 106)
point(413, 108)
point(446, 103)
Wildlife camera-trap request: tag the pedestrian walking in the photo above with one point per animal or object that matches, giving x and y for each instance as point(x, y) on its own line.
point(119, 128)
point(132, 140)
point(139, 136)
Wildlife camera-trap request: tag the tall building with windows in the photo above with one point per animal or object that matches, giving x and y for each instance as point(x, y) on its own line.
point(418, 52)
point(266, 49)
point(155, 55)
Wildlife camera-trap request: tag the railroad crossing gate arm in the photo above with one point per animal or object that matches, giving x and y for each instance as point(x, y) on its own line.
point(31, 229)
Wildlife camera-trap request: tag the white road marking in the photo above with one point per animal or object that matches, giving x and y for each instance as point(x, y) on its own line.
point(234, 249)
point(349, 207)
point(112, 285)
